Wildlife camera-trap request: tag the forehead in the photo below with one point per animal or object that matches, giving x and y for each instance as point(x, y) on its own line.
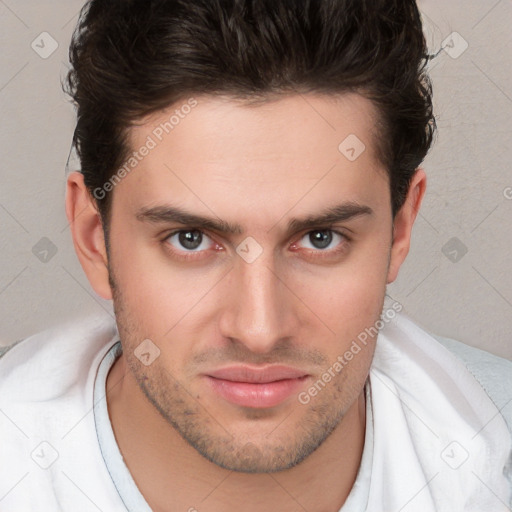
point(218, 147)
point(208, 120)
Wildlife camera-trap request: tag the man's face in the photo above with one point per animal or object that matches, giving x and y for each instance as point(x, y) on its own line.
point(271, 292)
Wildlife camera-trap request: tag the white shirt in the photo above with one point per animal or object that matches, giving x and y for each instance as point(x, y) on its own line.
point(434, 439)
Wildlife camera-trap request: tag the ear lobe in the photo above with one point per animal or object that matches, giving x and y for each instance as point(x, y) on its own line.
point(403, 223)
point(87, 232)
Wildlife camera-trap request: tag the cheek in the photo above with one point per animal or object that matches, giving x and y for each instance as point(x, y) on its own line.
point(164, 303)
point(152, 287)
point(349, 296)
point(165, 299)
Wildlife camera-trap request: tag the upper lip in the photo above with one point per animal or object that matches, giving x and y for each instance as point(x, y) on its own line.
point(257, 375)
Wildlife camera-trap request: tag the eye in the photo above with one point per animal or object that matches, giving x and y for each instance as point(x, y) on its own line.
point(322, 239)
point(189, 240)
point(189, 243)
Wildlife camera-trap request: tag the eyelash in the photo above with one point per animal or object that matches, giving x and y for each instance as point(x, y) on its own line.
point(194, 255)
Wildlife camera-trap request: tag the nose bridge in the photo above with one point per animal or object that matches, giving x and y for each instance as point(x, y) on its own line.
point(259, 314)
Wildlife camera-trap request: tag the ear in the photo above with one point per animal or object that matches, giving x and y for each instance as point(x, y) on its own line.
point(403, 222)
point(87, 232)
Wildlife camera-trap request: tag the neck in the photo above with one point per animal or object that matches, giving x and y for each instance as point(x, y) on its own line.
point(172, 475)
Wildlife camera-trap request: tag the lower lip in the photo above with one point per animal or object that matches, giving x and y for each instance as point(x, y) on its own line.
point(255, 395)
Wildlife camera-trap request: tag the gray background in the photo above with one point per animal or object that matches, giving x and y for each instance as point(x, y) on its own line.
point(457, 280)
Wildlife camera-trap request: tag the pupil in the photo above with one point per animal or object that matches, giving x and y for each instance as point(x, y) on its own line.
point(321, 239)
point(190, 239)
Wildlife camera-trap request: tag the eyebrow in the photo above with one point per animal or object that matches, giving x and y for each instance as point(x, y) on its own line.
point(165, 214)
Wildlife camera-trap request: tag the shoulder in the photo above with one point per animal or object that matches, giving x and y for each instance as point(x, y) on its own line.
point(5, 349)
point(46, 391)
point(50, 361)
point(494, 373)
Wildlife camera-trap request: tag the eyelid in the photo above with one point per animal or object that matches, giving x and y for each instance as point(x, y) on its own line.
point(339, 231)
point(184, 255)
point(181, 230)
point(345, 240)
point(334, 229)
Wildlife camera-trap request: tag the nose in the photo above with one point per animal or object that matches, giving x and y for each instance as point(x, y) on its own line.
point(260, 311)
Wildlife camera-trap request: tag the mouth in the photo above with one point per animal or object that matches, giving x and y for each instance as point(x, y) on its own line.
point(256, 387)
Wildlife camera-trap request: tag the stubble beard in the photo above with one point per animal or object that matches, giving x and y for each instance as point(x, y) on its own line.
point(280, 448)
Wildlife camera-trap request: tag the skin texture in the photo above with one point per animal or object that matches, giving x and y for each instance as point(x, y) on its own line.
point(295, 304)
